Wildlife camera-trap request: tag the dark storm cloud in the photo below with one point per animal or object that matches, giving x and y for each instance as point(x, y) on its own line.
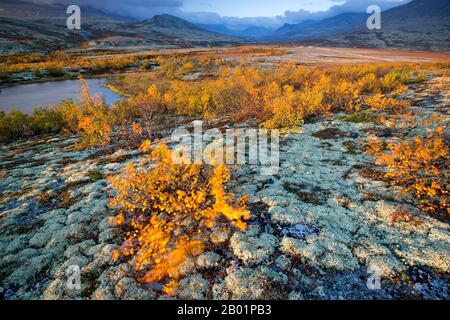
point(134, 8)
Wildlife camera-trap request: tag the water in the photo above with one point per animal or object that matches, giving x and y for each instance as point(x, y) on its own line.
point(25, 97)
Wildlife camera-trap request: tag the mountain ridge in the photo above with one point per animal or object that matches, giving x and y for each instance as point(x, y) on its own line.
point(313, 29)
point(416, 25)
point(161, 31)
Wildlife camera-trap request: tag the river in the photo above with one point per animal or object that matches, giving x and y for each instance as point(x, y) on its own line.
point(25, 97)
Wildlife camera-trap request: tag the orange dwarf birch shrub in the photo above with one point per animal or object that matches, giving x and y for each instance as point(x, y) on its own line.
point(90, 117)
point(169, 210)
point(378, 102)
point(421, 167)
point(93, 131)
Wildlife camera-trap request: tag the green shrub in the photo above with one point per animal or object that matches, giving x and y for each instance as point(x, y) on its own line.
point(46, 120)
point(56, 71)
point(358, 117)
point(13, 125)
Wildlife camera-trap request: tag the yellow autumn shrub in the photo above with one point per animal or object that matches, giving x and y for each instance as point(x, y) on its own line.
point(421, 167)
point(379, 102)
point(169, 210)
point(90, 117)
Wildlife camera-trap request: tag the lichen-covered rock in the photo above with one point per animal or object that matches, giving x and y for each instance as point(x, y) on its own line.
point(253, 249)
point(301, 248)
point(256, 283)
point(208, 260)
point(106, 224)
point(30, 268)
point(79, 248)
point(110, 276)
point(295, 295)
point(55, 290)
point(194, 287)
point(185, 268)
point(219, 291)
point(102, 293)
point(107, 236)
point(283, 262)
point(128, 289)
point(41, 238)
point(78, 217)
point(219, 235)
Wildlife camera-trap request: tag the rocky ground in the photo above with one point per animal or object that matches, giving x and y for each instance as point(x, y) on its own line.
point(317, 225)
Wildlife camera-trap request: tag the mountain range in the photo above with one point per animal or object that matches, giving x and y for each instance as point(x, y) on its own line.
point(100, 32)
point(318, 29)
point(419, 24)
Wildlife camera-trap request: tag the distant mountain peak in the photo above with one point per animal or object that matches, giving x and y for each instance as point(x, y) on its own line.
point(418, 24)
point(169, 21)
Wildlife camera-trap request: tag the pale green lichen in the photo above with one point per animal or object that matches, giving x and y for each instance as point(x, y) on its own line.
point(255, 283)
point(194, 287)
point(253, 249)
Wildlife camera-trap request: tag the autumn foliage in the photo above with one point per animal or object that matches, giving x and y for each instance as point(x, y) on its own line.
point(90, 117)
point(285, 95)
point(421, 167)
point(169, 210)
point(281, 95)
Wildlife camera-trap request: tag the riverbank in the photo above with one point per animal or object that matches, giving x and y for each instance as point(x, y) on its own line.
point(26, 97)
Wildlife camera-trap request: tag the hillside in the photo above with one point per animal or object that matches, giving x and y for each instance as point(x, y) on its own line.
point(25, 11)
point(419, 25)
point(32, 36)
point(162, 31)
point(317, 29)
point(253, 32)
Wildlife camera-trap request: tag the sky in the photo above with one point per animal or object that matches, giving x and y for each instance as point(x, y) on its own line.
point(255, 8)
point(235, 14)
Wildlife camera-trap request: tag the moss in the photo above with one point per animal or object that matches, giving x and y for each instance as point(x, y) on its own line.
point(351, 147)
point(57, 200)
point(329, 134)
point(27, 228)
point(358, 117)
point(95, 175)
point(372, 172)
point(317, 196)
point(89, 278)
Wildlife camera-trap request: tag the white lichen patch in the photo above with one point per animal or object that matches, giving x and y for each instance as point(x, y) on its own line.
point(194, 287)
point(253, 249)
point(208, 260)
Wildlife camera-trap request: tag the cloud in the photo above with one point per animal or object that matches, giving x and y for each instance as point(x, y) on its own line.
point(292, 17)
point(144, 9)
point(342, 6)
point(347, 6)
